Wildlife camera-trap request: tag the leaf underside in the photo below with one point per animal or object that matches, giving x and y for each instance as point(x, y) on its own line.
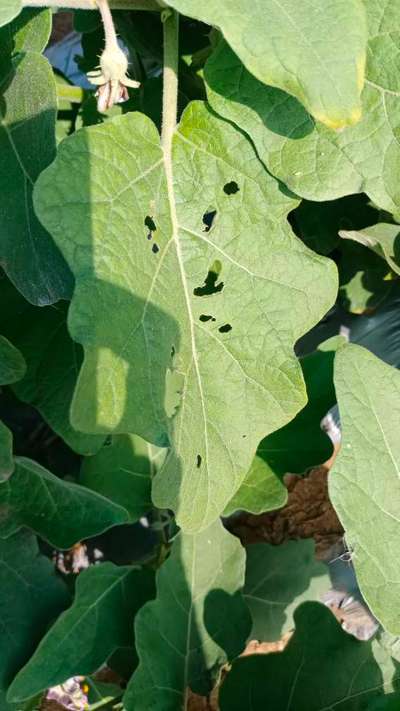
point(364, 482)
point(188, 330)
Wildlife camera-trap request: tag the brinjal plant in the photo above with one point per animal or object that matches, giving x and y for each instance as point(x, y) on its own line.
point(199, 353)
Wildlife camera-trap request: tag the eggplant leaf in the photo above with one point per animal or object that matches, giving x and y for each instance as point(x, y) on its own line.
point(169, 309)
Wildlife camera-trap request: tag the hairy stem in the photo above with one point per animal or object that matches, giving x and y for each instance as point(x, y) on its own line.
point(170, 79)
point(108, 23)
point(92, 5)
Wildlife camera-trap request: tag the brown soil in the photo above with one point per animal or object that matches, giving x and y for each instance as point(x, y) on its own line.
point(307, 514)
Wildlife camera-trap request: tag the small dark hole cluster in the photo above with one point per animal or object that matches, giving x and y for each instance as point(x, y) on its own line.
point(206, 317)
point(210, 283)
point(225, 328)
point(151, 226)
point(208, 219)
point(231, 188)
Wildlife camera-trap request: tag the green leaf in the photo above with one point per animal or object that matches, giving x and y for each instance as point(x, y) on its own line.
point(8, 10)
point(197, 621)
point(389, 702)
point(61, 512)
point(99, 621)
point(6, 455)
point(318, 223)
point(101, 693)
point(368, 396)
point(382, 238)
point(31, 596)
point(12, 368)
point(311, 159)
point(365, 280)
point(122, 471)
point(313, 51)
point(12, 363)
point(296, 447)
point(27, 146)
point(321, 668)
point(53, 362)
point(29, 32)
point(302, 444)
point(278, 579)
point(261, 490)
point(194, 299)
point(384, 33)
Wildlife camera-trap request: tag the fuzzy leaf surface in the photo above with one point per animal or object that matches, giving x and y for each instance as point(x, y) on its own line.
point(122, 471)
point(6, 455)
point(302, 444)
point(368, 393)
point(321, 668)
point(318, 223)
point(313, 51)
point(382, 238)
point(187, 632)
point(296, 447)
point(12, 363)
point(8, 10)
point(261, 490)
point(278, 579)
point(313, 160)
point(59, 511)
point(27, 146)
point(365, 279)
point(29, 32)
point(12, 368)
point(180, 324)
point(53, 360)
point(107, 598)
point(31, 596)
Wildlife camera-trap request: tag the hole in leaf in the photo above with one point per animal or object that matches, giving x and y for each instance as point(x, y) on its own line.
point(206, 317)
point(151, 226)
point(231, 188)
point(210, 283)
point(208, 219)
point(225, 328)
point(198, 461)
point(155, 248)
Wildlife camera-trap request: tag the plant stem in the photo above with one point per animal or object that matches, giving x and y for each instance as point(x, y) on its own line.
point(170, 87)
point(92, 5)
point(108, 23)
